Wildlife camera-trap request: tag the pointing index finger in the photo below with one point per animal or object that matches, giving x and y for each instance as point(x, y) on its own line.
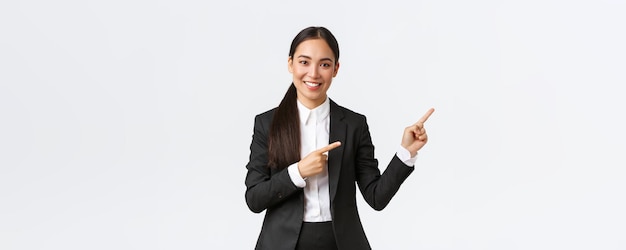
point(425, 117)
point(329, 147)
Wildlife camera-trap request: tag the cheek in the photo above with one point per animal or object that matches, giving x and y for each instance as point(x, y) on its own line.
point(298, 71)
point(329, 74)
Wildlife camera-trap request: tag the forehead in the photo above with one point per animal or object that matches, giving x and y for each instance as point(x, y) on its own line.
point(314, 48)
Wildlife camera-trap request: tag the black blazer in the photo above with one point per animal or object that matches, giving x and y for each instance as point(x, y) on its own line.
point(272, 190)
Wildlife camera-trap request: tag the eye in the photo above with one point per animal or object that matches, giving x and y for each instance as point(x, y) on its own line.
point(304, 62)
point(325, 65)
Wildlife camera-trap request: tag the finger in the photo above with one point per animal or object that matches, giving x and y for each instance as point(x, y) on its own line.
point(417, 129)
point(425, 117)
point(421, 136)
point(329, 147)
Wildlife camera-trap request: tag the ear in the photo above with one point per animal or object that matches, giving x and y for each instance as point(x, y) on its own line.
point(290, 65)
point(336, 69)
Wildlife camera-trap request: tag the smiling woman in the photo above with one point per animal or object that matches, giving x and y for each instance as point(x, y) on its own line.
point(307, 154)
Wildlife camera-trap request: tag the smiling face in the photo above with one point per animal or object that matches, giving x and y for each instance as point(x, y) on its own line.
point(313, 67)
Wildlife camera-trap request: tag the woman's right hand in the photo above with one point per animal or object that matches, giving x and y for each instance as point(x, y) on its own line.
point(315, 161)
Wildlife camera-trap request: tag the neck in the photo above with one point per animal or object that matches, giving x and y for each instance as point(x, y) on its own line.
point(311, 104)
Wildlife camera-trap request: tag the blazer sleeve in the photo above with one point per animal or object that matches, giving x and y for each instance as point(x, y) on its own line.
point(265, 187)
point(377, 189)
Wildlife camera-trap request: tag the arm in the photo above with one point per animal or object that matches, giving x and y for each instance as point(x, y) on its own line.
point(379, 189)
point(265, 187)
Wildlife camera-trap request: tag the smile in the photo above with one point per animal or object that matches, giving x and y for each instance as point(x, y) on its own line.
point(312, 84)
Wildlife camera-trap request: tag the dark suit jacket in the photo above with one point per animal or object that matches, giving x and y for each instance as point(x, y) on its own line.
point(272, 190)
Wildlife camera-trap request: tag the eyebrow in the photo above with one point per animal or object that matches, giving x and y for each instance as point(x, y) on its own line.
point(323, 59)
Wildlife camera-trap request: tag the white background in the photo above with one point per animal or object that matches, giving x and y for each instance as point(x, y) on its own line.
point(127, 124)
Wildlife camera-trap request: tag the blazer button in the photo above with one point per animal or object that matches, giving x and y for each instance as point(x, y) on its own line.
point(280, 195)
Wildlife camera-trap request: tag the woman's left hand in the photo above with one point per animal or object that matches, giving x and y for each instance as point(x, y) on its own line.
point(415, 137)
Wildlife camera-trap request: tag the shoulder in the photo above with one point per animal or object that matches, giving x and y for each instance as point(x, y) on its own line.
point(263, 120)
point(346, 113)
point(266, 114)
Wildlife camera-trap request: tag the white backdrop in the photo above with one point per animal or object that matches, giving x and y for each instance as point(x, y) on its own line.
point(126, 124)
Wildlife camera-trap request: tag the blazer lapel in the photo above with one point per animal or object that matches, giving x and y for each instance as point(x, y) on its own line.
point(337, 133)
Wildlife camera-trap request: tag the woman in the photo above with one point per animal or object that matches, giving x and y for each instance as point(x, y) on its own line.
point(306, 185)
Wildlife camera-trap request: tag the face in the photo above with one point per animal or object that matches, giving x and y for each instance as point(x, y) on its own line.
point(313, 67)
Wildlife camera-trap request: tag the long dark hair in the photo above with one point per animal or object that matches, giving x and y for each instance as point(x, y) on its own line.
point(284, 134)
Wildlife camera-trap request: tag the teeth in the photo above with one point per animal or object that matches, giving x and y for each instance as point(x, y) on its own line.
point(312, 84)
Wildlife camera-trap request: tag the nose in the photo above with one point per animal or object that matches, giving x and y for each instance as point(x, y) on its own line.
point(314, 72)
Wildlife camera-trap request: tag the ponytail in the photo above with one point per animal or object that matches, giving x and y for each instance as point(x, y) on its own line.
point(284, 134)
